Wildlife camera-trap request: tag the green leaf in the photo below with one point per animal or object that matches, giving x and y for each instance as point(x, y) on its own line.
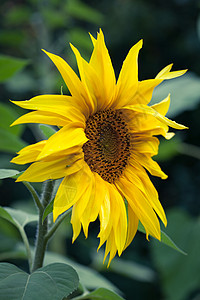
point(132, 270)
point(168, 148)
point(7, 116)
point(80, 38)
point(53, 282)
point(88, 277)
point(165, 239)
point(48, 210)
point(10, 142)
point(179, 275)
point(82, 11)
point(102, 294)
point(184, 91)
point(17, 217)
point(8, 173)
point(9, 66)
point(48, 131)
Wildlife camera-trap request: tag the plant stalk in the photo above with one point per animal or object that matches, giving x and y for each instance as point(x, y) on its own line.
point(41, 242)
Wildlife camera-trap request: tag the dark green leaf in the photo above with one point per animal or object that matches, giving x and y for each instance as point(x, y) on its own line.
point(48, 210)
point(17, 217)
point(165, 239)
point(8, 173)
point(132, 270)
point(48, 131)
point(53, 282)
point(179, 274)
point(102, 294)
point(9, 66)
point(7, 116)
point(82, 11)
point(88, 277)
point(10, 142)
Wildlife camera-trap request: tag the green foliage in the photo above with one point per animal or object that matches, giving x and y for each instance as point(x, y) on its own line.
point(89, 278)
point(102, 294)
point(165, 239)
point(82, 11)
point(9, 136)
point(17, 217)
point(185, 93)
point(54, 282)
point(9, 66)
point(8, 173)
point(47, 130)
point(179, 274)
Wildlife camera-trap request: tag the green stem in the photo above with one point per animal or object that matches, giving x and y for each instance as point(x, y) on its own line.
point(54, 227)
point(34, 195)
point(42, 229)
point(27, 246)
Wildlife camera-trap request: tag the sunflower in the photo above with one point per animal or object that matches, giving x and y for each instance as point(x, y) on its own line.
point(103, 147)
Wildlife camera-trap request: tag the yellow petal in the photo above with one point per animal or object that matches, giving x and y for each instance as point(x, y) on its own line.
point(101, 63)
point(148, 163)
point(83, 66)
point(29, 154)
point(42, 117)
point(140, 206)
point(72, 81)
point(92, 207)
point(135, 173)
point(69, 192)
point(164, 71)
point(151, 111)
point(163, 106)
point(132, 226)
point(58, 104)
point(41, 171)
point(146, 145)
point(127, 83)
point(76, 224)
point(110, 248)
point(145, 91)
point(67, 137)
point(119, 216)
point(166, 74)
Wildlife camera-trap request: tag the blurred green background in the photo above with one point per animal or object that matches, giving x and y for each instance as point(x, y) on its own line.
point(171, 33)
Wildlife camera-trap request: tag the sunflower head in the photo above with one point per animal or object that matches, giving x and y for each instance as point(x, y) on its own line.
point(104, 146)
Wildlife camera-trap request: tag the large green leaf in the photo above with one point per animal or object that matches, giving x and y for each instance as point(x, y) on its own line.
point(53, 282)
point(7, 116)
point(10, 142)
point(17, 217)
point(185, 93)
point(165, 239)
point(102, 294)
point(88, 277)
point(179, 274)
point(9, 66)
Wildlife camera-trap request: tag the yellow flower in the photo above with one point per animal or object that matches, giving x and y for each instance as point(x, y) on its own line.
point(104, 145)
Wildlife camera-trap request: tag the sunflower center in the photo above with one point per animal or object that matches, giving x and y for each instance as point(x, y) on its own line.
point(108, 148)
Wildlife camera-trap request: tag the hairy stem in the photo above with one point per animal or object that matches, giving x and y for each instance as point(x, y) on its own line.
point(34, 195)
point(42, 229)
point(54, 227)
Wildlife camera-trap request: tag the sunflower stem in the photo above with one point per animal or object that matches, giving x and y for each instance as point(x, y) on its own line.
point(42, 229)
point(54, 227)
point(34, 195)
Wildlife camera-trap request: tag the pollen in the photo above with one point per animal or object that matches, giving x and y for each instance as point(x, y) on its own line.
point(108, 149)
